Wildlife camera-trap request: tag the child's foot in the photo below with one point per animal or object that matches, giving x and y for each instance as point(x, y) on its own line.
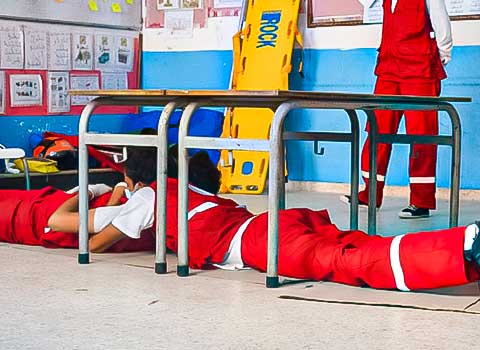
point(472, 243)
point(361, 204)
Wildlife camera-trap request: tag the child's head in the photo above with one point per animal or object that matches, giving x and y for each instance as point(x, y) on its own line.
point(140, 166)
point(202, 173)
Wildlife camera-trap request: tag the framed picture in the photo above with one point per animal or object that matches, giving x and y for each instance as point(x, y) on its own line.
point(25, 90)
point(191, 4)
point(168, 4)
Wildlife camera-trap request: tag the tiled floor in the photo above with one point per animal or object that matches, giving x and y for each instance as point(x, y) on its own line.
point(48, 301)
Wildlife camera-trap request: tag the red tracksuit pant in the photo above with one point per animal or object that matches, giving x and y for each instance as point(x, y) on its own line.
point(423, 158)
point(310, 247)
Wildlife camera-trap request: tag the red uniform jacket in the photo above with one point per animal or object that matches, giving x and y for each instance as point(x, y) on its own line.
point(209, 233)
point(407, 50)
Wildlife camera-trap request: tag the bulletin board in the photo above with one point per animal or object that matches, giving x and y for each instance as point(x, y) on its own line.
point(124, 14)
point(355, 12)
point(40, 62)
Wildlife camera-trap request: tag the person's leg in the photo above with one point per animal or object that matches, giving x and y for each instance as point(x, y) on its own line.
point(9, 202)
point(66, 217)
point(312, 248)
point(387, 122)
point(423, 158)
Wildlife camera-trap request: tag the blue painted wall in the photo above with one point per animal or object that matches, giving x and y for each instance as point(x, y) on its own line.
point(335, 70)
point(325, 70)
point(15, 131)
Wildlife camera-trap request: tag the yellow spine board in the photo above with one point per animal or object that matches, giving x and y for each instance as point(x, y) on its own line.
point(263, 63)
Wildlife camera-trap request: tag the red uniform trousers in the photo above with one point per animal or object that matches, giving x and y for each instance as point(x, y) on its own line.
point(423, 159)
point(311, 247)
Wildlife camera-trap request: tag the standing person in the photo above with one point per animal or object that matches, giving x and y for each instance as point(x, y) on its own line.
point(416, 44)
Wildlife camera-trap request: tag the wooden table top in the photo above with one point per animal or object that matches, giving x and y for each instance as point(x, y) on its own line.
point(273, 95)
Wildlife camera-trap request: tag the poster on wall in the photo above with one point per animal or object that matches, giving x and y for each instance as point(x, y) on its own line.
point(82, 52)
point(57, 86)
point(104, 52)
point(191, 4)
point(124, 52)
point(2, 92)
point(35, 49)
point(114, 81)
point(373, 11)
point(25, 90)
point(179, 23)
point(11, 49)
point(227, 3)
point(83, 82)
point(59, 52)
point(168, 4)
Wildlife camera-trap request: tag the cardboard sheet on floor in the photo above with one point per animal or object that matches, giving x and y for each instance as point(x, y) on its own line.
point(457, 299)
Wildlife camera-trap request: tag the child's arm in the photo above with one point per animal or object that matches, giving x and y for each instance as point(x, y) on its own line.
point(103, 240)
point(117, 194)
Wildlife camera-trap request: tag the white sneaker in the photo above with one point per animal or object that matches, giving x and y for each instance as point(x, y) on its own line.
point(345, 198)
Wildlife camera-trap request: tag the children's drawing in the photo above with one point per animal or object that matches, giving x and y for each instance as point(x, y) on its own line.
point(82, 52)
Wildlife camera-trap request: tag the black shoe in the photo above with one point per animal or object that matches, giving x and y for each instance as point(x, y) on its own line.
point(346, 199)
point(412, 212)
point(473, 254)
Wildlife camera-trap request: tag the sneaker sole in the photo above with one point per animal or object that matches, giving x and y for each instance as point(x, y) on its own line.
point(413, 217)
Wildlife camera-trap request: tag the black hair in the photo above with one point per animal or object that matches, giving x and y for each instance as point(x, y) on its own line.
point(148, 131)
point(141, 164)
point(202, 173)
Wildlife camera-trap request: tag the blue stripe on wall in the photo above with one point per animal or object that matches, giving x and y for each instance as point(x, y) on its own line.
point(335, 70)
point(16, 130)
point(325, 70)
point(186, 70)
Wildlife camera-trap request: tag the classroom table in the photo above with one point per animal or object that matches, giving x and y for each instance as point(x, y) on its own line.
point(281, 102)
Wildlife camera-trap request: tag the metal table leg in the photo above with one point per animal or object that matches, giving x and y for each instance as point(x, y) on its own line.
point(372, 181)
point(276, 173)
point(182, 266)
point(354, 168)
point(456, 158)
point(83, 253)
point(161, 210)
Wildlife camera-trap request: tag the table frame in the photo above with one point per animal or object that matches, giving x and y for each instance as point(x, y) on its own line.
point(281, 102)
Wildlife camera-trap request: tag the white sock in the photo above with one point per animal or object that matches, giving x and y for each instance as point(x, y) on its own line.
point(471, 232)
point(98, 189)
point(94, 190)
point(73, 190)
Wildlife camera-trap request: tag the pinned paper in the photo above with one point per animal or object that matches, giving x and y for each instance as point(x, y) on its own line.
point(92, 5)
point(129, 2)
point(116, 7)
